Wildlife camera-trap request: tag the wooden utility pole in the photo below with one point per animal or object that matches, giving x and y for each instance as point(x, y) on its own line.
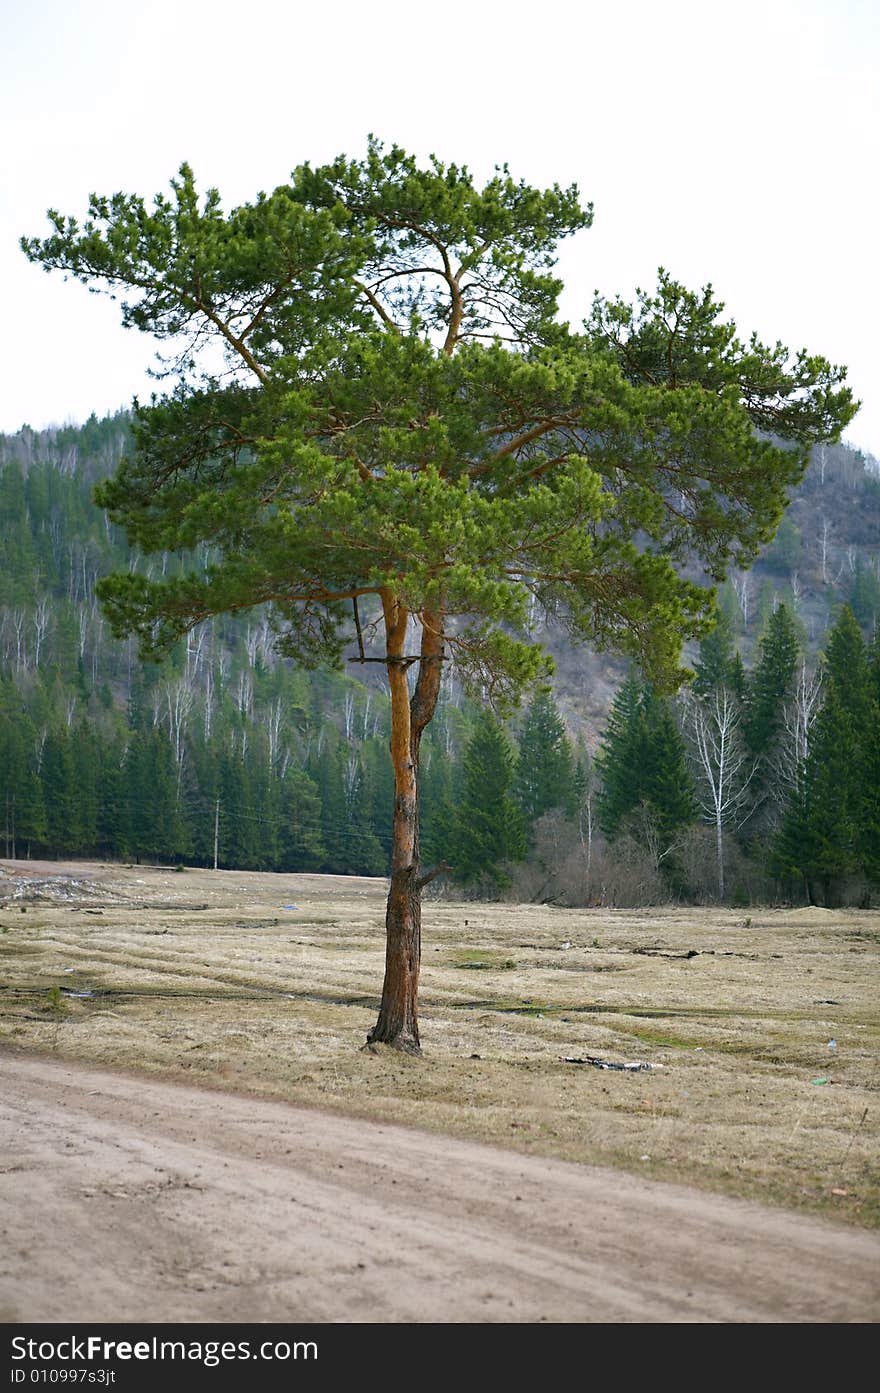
point(216, 831)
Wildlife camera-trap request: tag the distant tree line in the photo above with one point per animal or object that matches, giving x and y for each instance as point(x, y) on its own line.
point(759, 782)
point(754, 785)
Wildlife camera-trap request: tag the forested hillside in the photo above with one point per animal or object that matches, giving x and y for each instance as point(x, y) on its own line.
point(826, 553)
point(232, 752)
point(226, 747)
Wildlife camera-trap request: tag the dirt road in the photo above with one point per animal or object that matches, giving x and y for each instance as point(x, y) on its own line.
point(126, 1198)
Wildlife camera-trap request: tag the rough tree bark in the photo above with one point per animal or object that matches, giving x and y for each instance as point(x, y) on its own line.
point(398, 1023)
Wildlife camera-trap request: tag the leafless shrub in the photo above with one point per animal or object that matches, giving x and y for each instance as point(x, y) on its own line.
point(626, 874)
point(747, 882)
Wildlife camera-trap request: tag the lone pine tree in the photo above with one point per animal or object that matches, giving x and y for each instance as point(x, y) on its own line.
point(391, 429)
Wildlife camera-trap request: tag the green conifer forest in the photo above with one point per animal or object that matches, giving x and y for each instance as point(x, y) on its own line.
point(766, 768)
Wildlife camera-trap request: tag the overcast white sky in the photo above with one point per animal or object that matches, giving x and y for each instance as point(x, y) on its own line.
point(733, 142)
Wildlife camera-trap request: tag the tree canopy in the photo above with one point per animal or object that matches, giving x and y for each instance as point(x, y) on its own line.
point(398, 405)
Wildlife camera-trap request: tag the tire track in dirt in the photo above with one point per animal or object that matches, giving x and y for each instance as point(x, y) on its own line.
point(133, 1199)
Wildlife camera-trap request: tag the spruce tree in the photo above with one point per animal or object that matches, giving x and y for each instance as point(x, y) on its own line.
point(852, 667)
point(58, 776)
point(327, 769)
point(818, 834)
point(240, 826)
point(716, 665)
point(437, 815)
point(379, 777)
point(85, 754)
point(865, 595)
point(668, 783)
point(847, 662)
point(489, 831)
point(738, 681)
point(112, 820)
point(869, 814)
point(619, 757)
point(23, 822)
point(364, 853)
point(770, 683)
point(544, 768)
point(829, 830)
point(643, 764)
point(300, 846)
point(153, 820)
point(264, 792)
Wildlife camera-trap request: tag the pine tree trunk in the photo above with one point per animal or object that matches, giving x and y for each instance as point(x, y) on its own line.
point(398, 1023)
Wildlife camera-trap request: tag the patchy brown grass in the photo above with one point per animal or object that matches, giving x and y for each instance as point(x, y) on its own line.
point(209, 976)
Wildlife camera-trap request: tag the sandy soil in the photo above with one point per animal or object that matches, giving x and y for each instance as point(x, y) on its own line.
point(127, 1198)
point(762, 1029)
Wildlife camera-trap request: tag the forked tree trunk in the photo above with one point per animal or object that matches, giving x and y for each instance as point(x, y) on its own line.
point(398, 1023)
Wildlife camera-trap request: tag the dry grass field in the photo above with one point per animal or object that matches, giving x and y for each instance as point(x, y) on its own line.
point(761, 1026)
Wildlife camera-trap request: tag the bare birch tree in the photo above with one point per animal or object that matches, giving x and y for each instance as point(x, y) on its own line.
point(41, 620)
point(799, 714)
point(274, 726)
point(744, 585)
point(177, 700)
point(723, 767)
point(823, 543)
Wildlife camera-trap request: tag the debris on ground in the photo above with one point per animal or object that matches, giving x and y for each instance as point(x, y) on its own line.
point(636, 1065)
point(663, 953)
